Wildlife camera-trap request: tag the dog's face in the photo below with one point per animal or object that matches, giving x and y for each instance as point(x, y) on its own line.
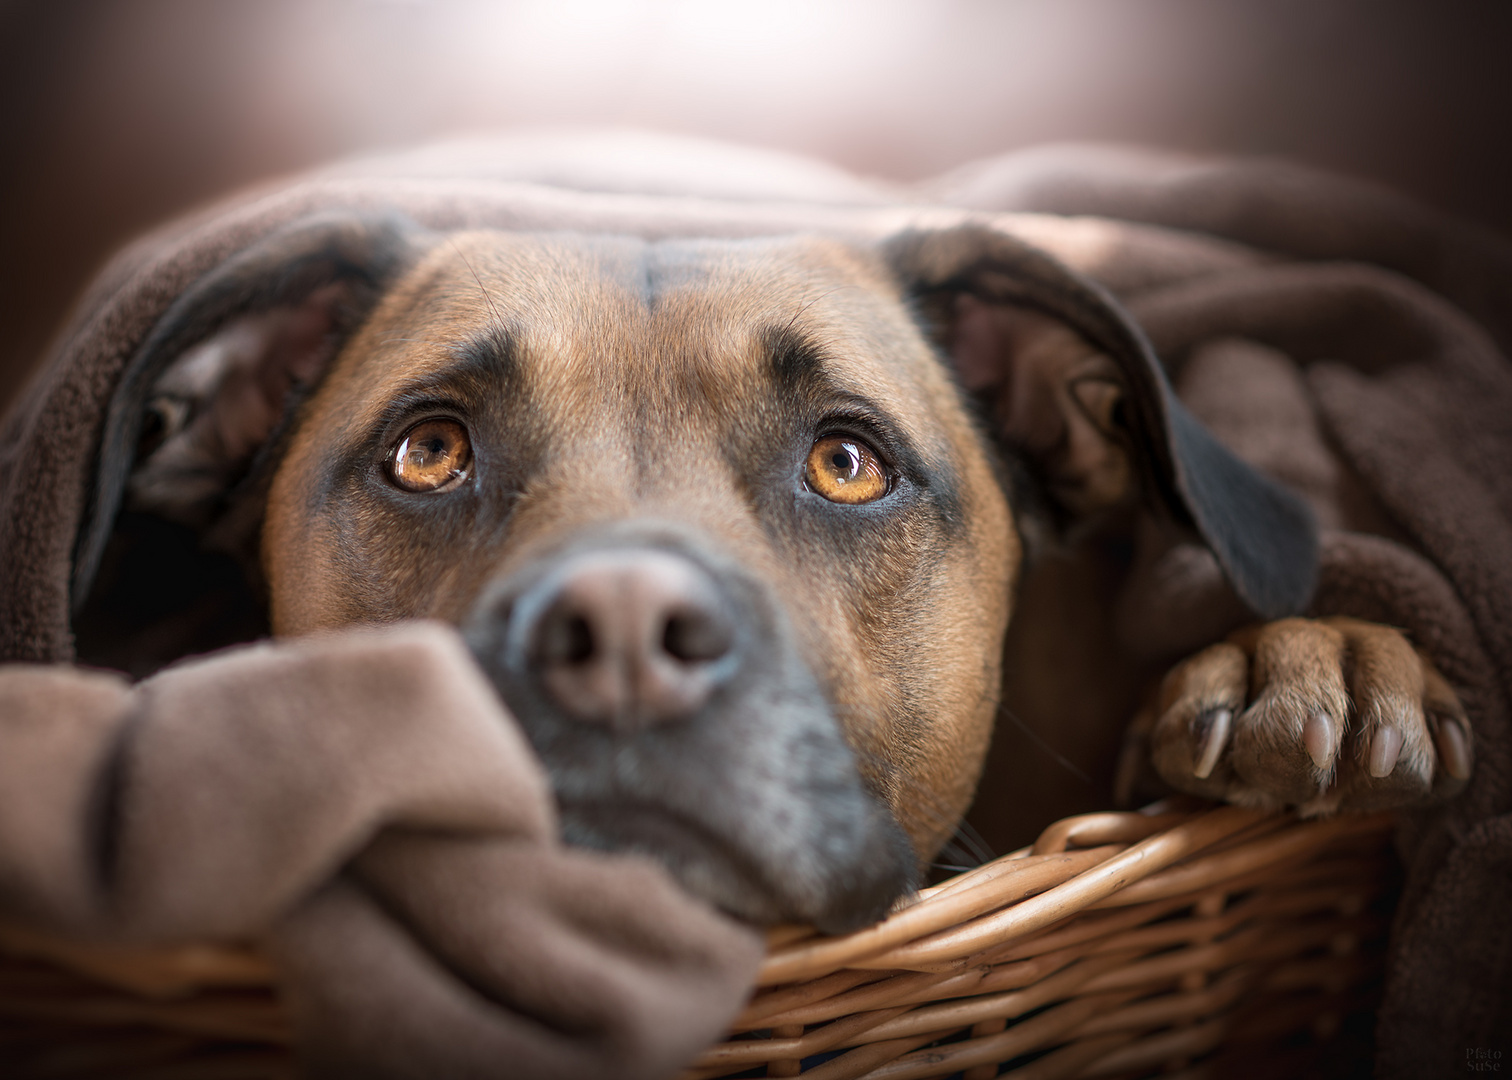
point(718, 518)
point(718, 526)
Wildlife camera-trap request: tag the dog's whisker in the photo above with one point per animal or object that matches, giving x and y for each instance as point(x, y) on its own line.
point(487, 296)
point(966, 844)
point(1039, 741)
point(804, 307)
point(973, 842)
point(954, 853)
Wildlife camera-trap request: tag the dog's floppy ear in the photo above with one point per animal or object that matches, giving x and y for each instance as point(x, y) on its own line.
point(1074, 387)
point(222, 367)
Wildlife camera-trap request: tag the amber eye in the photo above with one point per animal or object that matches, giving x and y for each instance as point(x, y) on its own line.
point(844, 469)
point(431, 455)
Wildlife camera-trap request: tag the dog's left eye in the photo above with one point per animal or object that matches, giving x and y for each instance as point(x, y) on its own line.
point(431, 455)
point(843, 469)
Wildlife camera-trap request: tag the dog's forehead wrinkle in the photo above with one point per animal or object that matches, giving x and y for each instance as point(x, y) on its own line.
point(673, 307)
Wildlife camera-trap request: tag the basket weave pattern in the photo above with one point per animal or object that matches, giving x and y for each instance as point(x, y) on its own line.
point(1122, 943)
point(1118, 945)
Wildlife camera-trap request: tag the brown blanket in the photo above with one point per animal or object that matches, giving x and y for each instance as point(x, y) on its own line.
point(1355, 347)
point(1346, 341)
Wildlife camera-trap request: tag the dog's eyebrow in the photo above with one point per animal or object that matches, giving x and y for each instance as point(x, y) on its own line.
point(491, 353)
point(795, 357)
point(474, 367)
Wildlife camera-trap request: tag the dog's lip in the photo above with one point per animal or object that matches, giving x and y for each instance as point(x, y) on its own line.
point(658, 830)
point(635, 819)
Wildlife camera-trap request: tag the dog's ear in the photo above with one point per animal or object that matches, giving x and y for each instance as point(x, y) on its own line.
point(224, 366)
point(1073, 386)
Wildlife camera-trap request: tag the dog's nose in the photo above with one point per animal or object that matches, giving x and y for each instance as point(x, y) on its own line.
point(627, 638)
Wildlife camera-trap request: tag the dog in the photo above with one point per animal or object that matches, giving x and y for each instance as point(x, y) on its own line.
point(735, 527)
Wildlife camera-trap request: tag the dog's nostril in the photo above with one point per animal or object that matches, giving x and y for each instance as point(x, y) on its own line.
point(696, 637)
point(626, 638)
point(564, 638)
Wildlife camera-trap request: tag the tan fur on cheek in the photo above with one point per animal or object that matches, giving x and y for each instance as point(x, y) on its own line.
point(295, 560)
point(960, 646)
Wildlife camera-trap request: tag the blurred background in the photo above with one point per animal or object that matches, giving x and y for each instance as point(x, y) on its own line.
point(117, 113)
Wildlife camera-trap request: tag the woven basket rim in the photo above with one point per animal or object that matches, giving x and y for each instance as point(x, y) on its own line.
point(1191, 902)
point(1200, 905)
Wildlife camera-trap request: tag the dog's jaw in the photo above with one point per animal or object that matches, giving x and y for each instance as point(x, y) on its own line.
point(751, 798)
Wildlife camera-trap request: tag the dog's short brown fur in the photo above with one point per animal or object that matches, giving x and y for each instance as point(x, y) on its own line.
point(627, 395)
point(657, 400)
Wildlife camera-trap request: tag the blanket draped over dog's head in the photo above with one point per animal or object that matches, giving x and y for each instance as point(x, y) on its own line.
point(1347, 343)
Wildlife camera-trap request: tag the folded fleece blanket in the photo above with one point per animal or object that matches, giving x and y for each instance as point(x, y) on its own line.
point(363, 802)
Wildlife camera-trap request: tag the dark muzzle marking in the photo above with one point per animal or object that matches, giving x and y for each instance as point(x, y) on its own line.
point(667, 697)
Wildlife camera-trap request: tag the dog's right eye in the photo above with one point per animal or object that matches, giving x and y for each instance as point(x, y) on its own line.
point(431, 455)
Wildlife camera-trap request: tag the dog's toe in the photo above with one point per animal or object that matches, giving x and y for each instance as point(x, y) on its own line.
point(1391, 760)
point(1199, 701)
point(1288, 743)
point(1321, 714)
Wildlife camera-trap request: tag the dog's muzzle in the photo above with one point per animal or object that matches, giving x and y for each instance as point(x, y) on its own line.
point(666, 696)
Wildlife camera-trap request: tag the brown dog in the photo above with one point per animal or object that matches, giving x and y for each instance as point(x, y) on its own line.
point(735, 527)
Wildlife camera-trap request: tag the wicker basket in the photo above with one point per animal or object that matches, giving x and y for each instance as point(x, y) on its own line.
point(1193, 941)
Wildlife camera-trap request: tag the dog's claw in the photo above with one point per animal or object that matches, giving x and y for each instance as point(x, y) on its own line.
point(1453, 747)
point(1318, 737)
point(1322, 714)
point(1212, 728)
point(1385, 746)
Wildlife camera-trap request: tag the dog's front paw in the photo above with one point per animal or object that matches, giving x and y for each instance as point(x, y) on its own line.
point(1322, 714)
